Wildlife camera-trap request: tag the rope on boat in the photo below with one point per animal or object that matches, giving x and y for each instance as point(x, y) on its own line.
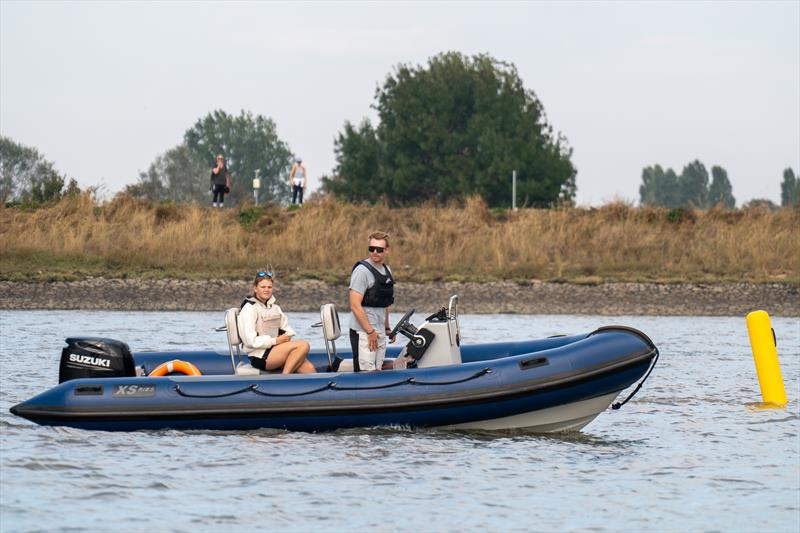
point(333, 386)
point(222, 395)
point(475, 375)
point(328, 385)
point(388, 385)
point(652, 366)
point(413, 381)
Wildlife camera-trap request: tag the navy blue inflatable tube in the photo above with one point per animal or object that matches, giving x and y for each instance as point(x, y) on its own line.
point(495, 380)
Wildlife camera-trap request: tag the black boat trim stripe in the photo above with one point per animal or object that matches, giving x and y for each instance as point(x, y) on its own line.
point(344, 407)
point(629, 329)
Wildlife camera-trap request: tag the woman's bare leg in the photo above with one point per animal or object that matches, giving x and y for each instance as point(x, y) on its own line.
point(277, 356)
point(296, 357)
point(294, 360)
point(291, 355)
point(306, 368)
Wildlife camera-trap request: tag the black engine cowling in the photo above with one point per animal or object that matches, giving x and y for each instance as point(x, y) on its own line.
point(95, 357)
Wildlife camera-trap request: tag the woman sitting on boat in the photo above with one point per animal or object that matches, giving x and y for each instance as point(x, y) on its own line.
point(266, 334)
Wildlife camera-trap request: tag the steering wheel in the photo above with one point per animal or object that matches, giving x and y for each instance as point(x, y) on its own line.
point(402, 326)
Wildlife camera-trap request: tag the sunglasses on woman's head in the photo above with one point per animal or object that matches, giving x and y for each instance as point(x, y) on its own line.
point(378, 249)
point(264, 274)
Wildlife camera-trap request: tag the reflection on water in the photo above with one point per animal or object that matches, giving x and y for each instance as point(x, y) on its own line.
point(685, 454)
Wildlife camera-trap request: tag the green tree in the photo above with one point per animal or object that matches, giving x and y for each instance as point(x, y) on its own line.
point(671, 189)
point(648, 193)
point(693, 185)
point(358, 156)
point(248, 143)
point(790, 189)
point(176, 175)
point(452, 129)
point(73, 189)
point(659, 187)
point(46, 187)
point(720, 191)
point(26, 175)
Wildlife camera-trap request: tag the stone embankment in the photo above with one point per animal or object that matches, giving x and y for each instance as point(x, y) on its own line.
point(724, 299)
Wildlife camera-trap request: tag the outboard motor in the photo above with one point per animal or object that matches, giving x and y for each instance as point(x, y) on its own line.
point(95, 357)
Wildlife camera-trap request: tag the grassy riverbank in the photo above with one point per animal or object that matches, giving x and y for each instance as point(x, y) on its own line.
point(125, 238)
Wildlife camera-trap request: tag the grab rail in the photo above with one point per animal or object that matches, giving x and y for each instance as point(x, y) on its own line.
point(452, 316)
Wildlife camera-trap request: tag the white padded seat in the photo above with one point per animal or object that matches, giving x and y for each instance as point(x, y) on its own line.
point(246, 369)
point(232, 326)
point(331, 329)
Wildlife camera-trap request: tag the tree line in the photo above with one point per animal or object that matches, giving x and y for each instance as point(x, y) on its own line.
point(26, 176)
point(248, 142)
point(453, 128)
point(692, 189)
point(181, 174)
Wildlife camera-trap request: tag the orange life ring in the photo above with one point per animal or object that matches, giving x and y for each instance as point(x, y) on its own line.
point(176, 365)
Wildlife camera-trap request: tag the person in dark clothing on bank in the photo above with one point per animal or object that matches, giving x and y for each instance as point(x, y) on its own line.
point(220, 181)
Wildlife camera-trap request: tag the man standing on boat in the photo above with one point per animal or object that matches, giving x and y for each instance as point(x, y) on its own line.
point(371, 294)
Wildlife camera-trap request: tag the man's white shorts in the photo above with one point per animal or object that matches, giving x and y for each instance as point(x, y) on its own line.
point(369, 359)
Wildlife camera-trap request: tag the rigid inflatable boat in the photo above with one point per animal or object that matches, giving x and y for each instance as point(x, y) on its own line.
point(548, 385)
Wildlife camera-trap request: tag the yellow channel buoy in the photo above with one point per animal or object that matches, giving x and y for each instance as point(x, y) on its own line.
point(765, 353)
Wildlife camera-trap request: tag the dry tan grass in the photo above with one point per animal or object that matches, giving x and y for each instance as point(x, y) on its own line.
point(616, 242)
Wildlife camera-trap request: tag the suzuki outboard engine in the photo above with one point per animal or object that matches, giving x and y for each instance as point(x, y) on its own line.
point(95, 357)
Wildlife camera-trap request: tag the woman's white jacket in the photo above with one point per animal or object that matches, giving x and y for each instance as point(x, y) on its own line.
point(259, 325)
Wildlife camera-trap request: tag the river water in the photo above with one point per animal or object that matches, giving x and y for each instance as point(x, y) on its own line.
point(687, 453)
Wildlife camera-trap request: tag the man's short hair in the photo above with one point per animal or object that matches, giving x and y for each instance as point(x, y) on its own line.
point(380, 236)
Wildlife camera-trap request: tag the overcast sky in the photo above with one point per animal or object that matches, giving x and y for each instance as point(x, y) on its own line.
point(101, 89)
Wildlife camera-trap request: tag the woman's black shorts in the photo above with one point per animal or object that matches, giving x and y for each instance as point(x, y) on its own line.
point(260, 362)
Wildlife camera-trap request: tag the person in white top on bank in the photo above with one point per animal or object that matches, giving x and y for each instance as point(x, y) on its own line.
point(298, 180)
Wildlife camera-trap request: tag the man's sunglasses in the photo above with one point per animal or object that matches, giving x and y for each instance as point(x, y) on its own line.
point(378, 249)
point(264, 274)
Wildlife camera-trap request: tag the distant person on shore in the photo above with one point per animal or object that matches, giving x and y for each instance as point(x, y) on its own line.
point(298, 180)
point(220, 181)
point(266, 334)
point(371, 294)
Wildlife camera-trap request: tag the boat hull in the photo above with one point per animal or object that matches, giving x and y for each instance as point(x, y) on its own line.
point(563, 418)
point(559, 388)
